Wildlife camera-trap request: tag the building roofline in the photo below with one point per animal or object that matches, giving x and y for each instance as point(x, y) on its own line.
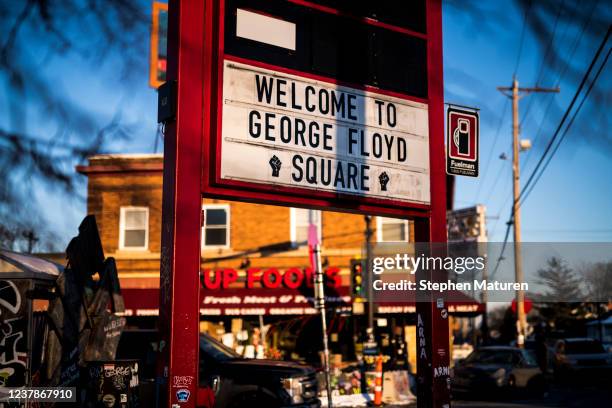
point(122, 163)
point(126, 156)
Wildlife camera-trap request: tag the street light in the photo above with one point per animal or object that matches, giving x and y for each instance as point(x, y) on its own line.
point(524, 145)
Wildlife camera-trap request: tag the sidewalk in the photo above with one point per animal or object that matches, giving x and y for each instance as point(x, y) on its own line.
point(362, 400)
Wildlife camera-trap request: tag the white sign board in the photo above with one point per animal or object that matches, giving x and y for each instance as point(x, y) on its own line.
point(287, 130)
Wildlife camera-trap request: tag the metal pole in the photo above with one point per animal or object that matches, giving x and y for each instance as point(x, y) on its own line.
point(433, 388)
point(368, 260)
point(484, 300)
point(483, 238)
point(320, 305)
point(179, 288)
point(521, 322)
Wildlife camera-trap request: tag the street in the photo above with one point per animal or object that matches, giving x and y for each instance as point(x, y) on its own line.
point(594, 395)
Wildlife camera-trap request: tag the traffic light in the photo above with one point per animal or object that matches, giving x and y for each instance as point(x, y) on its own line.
point(357, 280)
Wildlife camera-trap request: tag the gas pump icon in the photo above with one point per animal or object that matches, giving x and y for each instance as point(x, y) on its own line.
point(461, 137)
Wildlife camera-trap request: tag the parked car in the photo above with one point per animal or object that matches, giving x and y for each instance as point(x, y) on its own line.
point(532, 347)
point(231, 380)
point(489, 370)
point(239, 382)
point(581, 356)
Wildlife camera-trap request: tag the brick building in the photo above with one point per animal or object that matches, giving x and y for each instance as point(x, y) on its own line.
point(254, 258)
point(125, 191)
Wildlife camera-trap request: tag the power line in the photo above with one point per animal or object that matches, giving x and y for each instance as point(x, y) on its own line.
point(501, 253)
point(569, 125)
point(551, 42)
point(577, 231)
point(501, 120)
point(493, 146)
point(567, 112)
point(543, 63)
point(496, 180)
point(574, 47)
point(522, 40)
point(556, 134)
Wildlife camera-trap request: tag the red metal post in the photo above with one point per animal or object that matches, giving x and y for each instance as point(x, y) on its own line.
point(181, 216)
point(433, 381)
point(192, 33)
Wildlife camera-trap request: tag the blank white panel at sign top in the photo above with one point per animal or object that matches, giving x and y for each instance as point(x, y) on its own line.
point(265, 29)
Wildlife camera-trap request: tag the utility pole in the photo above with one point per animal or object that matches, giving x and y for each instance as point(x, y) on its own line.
point(32, 239)
point(368, 260)
point(516, 94)
point(314, 247)
point(319, 286)
point(484, 327)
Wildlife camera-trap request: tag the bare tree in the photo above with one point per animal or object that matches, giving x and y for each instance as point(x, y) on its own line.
point(562, 29)
point(33, 35)
point(598, 281)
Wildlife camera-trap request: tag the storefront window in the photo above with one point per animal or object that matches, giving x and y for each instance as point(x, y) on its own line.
point(391, 230)
point(215, 233)
point(134, 228)
point(300, 220)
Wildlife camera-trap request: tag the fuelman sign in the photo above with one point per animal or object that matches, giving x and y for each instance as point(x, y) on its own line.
point(294, 131)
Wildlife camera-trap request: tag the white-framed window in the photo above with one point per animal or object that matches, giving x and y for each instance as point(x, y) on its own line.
point(134, 228)
point(300, 220)
point(216, 229)
point(391, 230)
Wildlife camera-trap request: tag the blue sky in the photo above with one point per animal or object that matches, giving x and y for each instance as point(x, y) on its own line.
point(570, 203)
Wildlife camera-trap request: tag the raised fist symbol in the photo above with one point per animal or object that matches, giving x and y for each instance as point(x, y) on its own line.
point(275, 163)
point(384, 179)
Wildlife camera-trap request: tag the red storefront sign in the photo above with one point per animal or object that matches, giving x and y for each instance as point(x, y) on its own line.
point(269, 278)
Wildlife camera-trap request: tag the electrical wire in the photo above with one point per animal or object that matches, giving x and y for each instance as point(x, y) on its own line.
point(490, 155)
point(567, 112)
point(501, 120)
point(501, 253)
point(522, 40)
point(574, 47)
point(556, 134)
point(497, 178)
point(527, 191)
point(543, 63)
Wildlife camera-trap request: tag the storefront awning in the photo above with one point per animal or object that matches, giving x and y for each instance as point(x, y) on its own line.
point(280, 301)
point(14, 265)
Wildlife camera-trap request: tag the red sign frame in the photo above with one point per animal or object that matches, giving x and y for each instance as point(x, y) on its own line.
point(212, 184)
point(190, 173)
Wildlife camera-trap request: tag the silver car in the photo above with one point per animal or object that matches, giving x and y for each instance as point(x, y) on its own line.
point(491, 369)
point(581, 356)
